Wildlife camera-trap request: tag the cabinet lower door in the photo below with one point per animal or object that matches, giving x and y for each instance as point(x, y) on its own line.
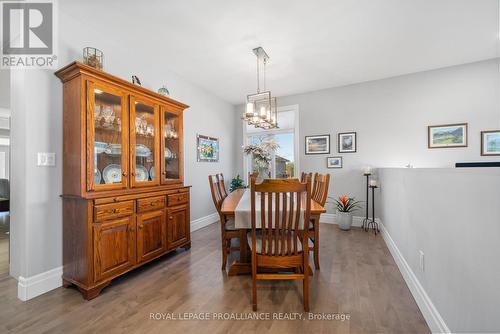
point(151, 235)
point(114, 247)
point(177, 226)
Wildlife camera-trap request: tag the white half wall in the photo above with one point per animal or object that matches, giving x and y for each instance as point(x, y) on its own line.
point(453, 217)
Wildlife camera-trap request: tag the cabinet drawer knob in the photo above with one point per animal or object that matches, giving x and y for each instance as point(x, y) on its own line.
point(132, 174)
point(140, 227)
point(116, 210)
point(124, 173)
point(171, 217)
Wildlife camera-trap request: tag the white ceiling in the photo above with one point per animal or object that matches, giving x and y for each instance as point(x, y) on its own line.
point(313, 44)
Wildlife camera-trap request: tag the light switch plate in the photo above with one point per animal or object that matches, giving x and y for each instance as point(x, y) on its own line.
point(45, 159)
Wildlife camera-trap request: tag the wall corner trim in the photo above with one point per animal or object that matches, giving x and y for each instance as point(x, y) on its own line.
point(204, 221)
point(31, 287)
point(431, 315)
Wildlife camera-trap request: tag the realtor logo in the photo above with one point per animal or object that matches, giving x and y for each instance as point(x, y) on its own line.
point(28, 34)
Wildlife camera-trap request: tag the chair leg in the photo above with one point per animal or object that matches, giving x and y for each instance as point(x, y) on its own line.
point(224, 254)
point(306, 291)
point(316, 245)
point(254, 282)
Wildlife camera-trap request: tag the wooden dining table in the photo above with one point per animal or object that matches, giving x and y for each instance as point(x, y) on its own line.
point(228, 208)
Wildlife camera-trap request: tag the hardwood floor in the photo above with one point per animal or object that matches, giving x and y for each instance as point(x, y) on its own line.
point(358, 277)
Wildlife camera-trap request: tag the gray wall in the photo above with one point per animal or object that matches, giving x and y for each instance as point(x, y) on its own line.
point(391, 117)
point(452, 215)
point(4, 88)
point(37, 127)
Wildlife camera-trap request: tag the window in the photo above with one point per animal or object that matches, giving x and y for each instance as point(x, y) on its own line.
point(285, 159)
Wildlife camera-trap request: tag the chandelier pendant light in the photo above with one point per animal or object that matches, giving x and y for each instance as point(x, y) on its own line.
point(261, 108)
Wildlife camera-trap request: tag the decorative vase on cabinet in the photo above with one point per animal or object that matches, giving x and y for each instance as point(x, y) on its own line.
point(124, 198)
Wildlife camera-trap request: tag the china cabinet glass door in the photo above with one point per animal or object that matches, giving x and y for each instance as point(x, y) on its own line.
point(171, 124)
point(144, 141)
point(107, 138)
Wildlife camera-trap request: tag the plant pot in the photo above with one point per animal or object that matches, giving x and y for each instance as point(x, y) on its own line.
point(344, 220)
point(263, 174)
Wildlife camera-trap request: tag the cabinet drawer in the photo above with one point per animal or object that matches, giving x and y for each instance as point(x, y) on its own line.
point(151, 203)
point(114, 210)
point(174, 199)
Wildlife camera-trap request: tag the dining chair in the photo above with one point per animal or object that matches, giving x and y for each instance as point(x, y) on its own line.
point(281, 242)
point(319, 194)
point(228, 230)
point(304, 175)
point(222, 185)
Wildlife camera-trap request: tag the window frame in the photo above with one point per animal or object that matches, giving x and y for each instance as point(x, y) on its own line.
point(296, 142)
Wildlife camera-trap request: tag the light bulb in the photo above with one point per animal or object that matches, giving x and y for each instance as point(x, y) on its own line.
point(250, 110)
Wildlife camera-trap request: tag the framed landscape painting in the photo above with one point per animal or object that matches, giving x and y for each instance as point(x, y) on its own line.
point(347, 142)
point(207, 148)
point(448, 135)
point(334, 162)
point(490, 142)
point(318, 144)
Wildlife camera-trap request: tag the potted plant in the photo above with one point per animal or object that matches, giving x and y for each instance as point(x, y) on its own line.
point(262, 156)
point(345, 207)
point(236, 183)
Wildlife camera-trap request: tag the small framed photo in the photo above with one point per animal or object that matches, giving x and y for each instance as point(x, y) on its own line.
point(347, 142)
point(490, 143)
point(334, 162)
point(448, 135)
point(207, 148)
point(318, 144)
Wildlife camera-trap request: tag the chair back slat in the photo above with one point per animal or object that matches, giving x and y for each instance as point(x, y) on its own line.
point(216, 195)
point(289, 226)
point(281, 231)
point(222, 186)
point(277, 223)
point(269, 223)
point(320, 188)
point(297, 219)
point(263, 220)
point(283, 221)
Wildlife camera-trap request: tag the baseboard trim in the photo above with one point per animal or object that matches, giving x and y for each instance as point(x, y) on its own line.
point(204, 221)
point(431, 315)
point(31, 287)
point(330, 218)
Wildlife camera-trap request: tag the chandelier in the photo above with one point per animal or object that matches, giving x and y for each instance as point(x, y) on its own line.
point(261, 109)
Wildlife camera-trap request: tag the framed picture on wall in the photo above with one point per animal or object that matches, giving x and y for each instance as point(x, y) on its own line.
point(334, 162)
point(347, 142)
point(207, 148)
point(318, 144)
point(447, 135)
point(490, 143)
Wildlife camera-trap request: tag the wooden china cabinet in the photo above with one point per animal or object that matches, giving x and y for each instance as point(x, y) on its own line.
point(124, 198)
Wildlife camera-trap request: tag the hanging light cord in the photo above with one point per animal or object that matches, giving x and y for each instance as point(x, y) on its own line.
point(265, 61)
point(258, 78)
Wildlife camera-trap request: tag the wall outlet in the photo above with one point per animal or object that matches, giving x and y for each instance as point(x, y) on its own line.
point(421, 253)
point(46, 159)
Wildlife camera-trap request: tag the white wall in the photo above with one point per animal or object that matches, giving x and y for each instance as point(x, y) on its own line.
point(452, 215)
point(391, 117)
point(4, 88)
point(37, 127)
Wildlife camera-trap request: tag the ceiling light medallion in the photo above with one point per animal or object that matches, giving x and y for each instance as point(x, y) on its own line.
point(261, 109)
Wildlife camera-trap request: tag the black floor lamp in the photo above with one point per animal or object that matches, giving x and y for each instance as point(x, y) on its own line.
point(367, 172)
